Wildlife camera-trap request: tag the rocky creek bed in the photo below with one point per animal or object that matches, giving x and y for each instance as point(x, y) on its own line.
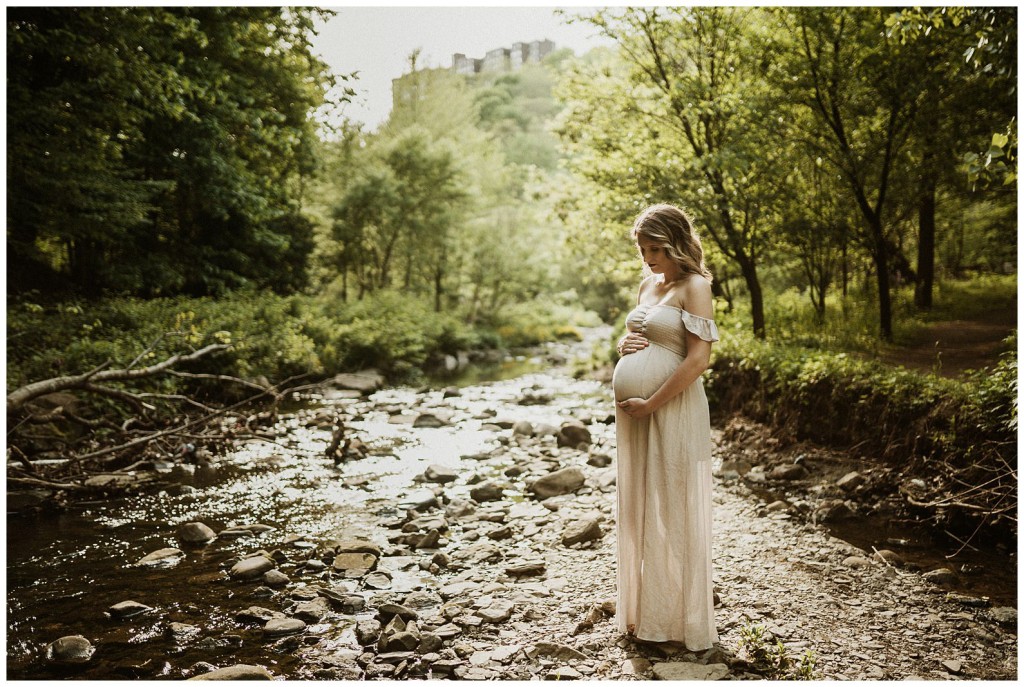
point(469, 534)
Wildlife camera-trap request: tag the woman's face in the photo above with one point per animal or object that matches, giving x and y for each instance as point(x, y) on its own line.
point(654, 256)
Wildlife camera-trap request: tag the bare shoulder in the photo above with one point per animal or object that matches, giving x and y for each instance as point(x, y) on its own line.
point(645, 285)
point(695, 294)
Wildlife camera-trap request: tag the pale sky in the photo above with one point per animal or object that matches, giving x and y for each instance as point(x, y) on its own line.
point(377, 42)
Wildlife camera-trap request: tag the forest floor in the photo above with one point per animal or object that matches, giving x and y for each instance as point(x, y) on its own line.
point(953, 346)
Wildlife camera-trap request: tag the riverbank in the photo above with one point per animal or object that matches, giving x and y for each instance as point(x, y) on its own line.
point(436, 517)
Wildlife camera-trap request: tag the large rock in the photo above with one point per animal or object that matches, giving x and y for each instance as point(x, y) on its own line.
point(251, 568)
point(573, 433)
point(581, 531)
point(366, 381)
point(689, 671)
point(70, 649)
point(196, 533)
point(564, 481)
point(312, 611)
point(388, 611)
point(526, 568)
point(241, 671)
point(355, 546)
point(162, 558)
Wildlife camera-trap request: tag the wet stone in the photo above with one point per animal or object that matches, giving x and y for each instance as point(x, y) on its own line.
point(196, 533)
point(283, 626)
point(251, 568)
point(162, 558)
point(275, 578)
point(241, 671)
point(257, 614)
point(71, 650)
point(312, 611)
point(127, 609)
point(355, 546)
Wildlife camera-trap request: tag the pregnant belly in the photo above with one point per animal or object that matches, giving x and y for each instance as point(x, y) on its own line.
point(640, 374)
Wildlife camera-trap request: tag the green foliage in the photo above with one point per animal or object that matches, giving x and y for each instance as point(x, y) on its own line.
point(160, 149)
point(774, 661)
point(270, 335)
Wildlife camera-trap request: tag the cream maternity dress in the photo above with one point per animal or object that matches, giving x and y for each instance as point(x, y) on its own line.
point(664, 489)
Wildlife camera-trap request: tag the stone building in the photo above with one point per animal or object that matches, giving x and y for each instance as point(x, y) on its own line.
point(503, 59)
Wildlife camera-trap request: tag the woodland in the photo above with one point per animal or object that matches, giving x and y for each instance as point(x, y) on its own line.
point(187, 240)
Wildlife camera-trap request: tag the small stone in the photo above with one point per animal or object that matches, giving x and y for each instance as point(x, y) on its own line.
point(488, 491)
point(355, 546)
point(498, 612)
point(777, 506)
point(127, 609)
point(377, 580)
point(573, 433)
point(440, 474)
point(559, 652)
point(275, 578)
point(850, 481)
point(636, 666)
point(788, 472)
point(501, 533)
point(429, 643)
point(278, 627)
point(689, 671)
point(890, 557)
point(856, 562)
point(1004, 615)
point(428, 420)
point(312, 611)
point(251, 568)
point(365, 381)
point(563, 673)
point(403, 641)
point(162, 558)
point(388, 611)
point(237, 672)
point(581, 531)
point(355, 561)
point(367, 632)
point(526, 568)
point(941, 576)
point(599, 460)
point(522, 428)
point(70, 649)
point(954, 667)
point(196, 533)
point(564, 481)
point(257, 614)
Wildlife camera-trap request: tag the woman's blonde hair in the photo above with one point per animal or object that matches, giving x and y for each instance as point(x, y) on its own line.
point(672, 229)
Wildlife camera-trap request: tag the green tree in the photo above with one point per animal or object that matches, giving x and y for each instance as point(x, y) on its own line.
point(683, 121)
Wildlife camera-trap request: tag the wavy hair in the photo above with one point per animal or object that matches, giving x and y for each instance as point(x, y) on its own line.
point(672, 229)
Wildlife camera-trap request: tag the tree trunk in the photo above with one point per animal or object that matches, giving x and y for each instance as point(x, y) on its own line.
point(926, 239)
point(749, 271)
point(880, 254)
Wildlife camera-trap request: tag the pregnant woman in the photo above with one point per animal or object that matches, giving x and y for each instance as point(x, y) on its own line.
point(663, 435)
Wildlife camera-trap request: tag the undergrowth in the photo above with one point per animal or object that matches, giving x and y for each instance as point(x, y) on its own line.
point(774, 660)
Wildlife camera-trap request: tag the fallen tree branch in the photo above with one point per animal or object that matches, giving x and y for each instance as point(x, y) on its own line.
point(19, 397)
point(33, 482)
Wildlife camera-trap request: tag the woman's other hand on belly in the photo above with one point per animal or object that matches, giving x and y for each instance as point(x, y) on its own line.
point(632, 342)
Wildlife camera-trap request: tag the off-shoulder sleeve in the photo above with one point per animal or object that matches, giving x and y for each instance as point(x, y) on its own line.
point(701, 326)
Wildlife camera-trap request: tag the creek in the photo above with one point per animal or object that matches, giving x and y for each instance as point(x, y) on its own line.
point(66, 569)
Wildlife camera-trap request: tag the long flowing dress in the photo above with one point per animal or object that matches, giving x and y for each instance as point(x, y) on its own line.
point(664, 489)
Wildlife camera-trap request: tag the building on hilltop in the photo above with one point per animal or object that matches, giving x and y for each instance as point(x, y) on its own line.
point(503, 59)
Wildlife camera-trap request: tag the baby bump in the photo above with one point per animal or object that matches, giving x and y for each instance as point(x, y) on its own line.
point(640, 374)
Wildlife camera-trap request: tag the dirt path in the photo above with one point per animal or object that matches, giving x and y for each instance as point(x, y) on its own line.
point(951, 347)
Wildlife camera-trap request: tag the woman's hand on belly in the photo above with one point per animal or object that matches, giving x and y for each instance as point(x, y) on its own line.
point(632, 342)
point(637, 408)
